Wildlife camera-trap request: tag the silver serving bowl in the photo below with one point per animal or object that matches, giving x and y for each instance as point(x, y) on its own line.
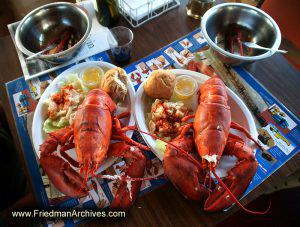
point(46, 23)
point(254, 25)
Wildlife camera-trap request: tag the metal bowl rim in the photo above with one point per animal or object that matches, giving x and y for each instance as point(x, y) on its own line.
point(227, 54)
point(50, 56)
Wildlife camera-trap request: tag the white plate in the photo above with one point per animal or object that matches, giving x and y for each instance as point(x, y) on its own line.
point(38, 136)
point(239, 114)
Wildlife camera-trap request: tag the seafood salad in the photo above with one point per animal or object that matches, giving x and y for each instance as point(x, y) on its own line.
point(62, 105)
point(165, 118)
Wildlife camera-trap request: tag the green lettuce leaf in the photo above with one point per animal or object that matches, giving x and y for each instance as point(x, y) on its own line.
point(160, 146)
point(53, 125)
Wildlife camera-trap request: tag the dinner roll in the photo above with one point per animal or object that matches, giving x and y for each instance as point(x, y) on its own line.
point(160, 84)
point(114, 83)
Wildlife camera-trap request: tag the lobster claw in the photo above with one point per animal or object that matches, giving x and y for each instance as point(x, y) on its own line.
point(182, 172)
point(63, 176)
point(238, 179)
point(128, 190)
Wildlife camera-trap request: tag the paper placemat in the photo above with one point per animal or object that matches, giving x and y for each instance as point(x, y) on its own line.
point(279, 129)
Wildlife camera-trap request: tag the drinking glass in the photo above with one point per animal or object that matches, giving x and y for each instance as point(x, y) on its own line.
point(120, 42)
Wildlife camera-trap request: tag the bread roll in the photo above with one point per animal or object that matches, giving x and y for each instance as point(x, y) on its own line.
point(114, 83)
point(160, 84)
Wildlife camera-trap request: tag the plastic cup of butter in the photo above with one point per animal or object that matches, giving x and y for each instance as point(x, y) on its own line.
point(91, 77)
point(185, 87)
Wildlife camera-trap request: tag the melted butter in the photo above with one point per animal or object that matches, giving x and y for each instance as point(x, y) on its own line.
point(185, 87)
point(91, 77)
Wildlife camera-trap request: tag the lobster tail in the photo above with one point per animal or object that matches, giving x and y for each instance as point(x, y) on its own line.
point(212, 121)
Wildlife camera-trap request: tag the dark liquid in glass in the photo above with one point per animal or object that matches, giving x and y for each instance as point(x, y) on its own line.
point(122, 58)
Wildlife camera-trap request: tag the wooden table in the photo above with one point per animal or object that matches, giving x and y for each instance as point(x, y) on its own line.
point(165, 206)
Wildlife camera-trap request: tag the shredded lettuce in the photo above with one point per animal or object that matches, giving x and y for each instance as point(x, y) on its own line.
point(160, 146)
point(52, 125)
point(65, 117)
point(60, 84)
point(72, 79)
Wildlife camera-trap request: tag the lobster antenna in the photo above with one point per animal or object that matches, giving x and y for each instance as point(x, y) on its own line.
point(236, 200)
point(209, 177)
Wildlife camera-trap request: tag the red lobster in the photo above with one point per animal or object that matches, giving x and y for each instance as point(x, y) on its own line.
point(191, 173)
point(212, 139)
point(93, 128)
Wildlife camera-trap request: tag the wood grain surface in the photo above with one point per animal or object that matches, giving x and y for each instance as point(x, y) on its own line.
point(165, 206)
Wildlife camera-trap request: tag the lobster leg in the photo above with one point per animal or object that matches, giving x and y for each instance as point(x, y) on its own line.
point(128, 190)
point(63, 153)
point(119, 134)
point(239, 177)
point(239, 40)
point(245, 131)
point(186, 118)
point(191, 66)
point(201, 68)
point(234, 34)
point(65, 37)
point(60, 173)
point(58, 137)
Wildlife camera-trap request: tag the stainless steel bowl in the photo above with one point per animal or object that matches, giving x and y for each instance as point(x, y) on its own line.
point(45, 23)
point(255, 26)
